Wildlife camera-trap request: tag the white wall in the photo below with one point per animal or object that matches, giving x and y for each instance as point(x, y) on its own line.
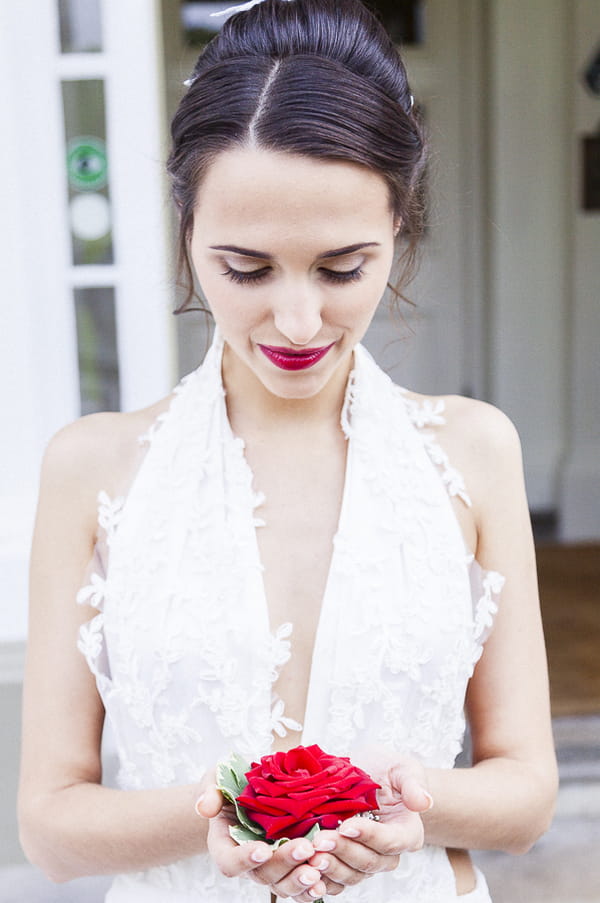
point(528, 246)
point(580, 482)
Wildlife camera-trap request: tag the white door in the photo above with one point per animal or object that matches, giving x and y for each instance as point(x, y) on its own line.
point(84, 238)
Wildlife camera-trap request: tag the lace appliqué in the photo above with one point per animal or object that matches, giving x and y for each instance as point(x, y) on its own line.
point(430, 412)
point(181, 647)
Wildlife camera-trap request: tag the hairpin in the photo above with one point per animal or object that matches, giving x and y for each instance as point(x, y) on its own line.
point(240, 9)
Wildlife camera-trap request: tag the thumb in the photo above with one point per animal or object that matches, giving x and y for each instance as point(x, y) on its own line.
point(210, 801)
point(414, 796)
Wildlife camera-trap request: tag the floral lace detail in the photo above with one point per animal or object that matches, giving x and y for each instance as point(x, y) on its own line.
point(280, 724)
point(109, 514)
point(431, 413)
point(181, 646)
point(486, 607)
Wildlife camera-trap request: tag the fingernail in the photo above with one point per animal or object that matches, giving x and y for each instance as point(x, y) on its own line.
point(306, 880)
point(314, 893)
point(324, 845)
point(260, 855)
point(349, 832)
point(321, 865)
point(430, 798)
point(198, 803)
point(301, 853)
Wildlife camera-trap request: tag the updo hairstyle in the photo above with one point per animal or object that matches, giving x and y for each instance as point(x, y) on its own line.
point(320, 78)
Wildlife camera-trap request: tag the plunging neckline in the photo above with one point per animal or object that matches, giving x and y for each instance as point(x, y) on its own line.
point(253, 525)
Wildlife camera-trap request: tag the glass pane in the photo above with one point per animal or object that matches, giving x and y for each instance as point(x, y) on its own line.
point(403, 19)
point(80, 26)
point(97, 349)
point(198, 24)
point(90, 214)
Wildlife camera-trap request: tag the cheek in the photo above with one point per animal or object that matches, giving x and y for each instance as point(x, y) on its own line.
point(235, 308)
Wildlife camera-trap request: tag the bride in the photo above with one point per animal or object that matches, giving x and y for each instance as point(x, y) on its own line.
point(290, 548)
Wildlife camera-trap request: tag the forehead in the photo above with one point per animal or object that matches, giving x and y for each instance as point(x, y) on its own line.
point(260, 192)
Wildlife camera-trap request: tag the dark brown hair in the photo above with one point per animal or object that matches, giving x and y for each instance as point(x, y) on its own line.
point(320, 78)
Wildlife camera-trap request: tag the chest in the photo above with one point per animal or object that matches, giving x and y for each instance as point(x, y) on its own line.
point(303, 487)
point(302, 481)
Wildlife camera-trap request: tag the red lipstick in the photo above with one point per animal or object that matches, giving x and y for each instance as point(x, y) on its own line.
point(286, 359)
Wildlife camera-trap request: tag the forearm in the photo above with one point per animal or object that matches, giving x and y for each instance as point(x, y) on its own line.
point(87, 829)
point(498, 804)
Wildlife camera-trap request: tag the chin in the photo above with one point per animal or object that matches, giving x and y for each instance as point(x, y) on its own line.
point(294, 388)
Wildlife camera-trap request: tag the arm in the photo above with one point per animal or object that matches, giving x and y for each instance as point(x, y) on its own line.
point(70, 825)
point(506, 800)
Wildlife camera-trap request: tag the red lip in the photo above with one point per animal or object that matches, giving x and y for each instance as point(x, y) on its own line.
point(286, 359)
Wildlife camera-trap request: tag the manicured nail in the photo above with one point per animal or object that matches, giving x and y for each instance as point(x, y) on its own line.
point(430, 798)
point(347, 831)
point(260, 856)
point(301, 853)
point(322, 865)
point(314, 893)
point(306, 880)
point(324, 845)
point(198, 803)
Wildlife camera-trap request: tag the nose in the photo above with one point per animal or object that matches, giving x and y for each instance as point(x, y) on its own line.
point(297, 315)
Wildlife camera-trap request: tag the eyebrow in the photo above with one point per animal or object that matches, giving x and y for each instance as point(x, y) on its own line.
point(338, 252)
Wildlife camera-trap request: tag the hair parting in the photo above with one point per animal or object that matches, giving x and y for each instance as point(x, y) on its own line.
point(318, 78)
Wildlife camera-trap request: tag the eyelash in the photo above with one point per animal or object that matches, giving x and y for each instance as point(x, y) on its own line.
point(258, 275)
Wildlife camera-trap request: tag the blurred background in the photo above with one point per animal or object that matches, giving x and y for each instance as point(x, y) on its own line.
point(506, 305)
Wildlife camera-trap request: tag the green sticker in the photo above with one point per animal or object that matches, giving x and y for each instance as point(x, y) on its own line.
point(87, 164)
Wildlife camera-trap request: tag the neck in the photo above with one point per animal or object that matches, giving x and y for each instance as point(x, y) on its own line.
point(250, 402)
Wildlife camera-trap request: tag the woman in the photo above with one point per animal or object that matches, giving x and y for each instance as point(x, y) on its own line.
point(287, 482)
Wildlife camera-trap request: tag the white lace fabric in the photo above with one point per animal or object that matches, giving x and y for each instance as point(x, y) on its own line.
point(182, 650)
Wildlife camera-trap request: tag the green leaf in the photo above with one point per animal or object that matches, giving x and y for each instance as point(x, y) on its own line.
point(279, 843)
point(241, 834)
point(231, 781)
point(231, 777)
point(313, 833)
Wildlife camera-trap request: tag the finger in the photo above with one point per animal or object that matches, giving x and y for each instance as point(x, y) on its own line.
point(210, 802)
point(229, 857)
point(285, 861)
point(332, 888)
point(302, 883)
point(409, 785)
point(314, 893)
point(352, 863)
point(384, 838)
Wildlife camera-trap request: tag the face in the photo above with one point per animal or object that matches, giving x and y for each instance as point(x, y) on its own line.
point(293, 255)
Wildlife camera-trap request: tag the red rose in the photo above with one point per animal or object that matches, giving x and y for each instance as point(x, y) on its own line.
point(289, 793)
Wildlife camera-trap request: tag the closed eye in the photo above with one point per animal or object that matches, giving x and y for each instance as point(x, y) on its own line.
point(253, 276)
point(246, 278)
point(342, 276)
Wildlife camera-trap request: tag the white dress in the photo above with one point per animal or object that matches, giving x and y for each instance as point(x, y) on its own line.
point(185, 658)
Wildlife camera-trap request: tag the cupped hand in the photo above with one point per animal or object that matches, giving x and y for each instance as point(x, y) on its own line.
point(285, 871)
point(363, 847)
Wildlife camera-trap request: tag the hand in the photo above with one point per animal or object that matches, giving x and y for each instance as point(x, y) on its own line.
point(362, 847)
point(285, 870)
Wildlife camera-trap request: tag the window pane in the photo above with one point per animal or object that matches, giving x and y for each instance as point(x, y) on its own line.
point(97, 349)
point(87, 168)
point(80, 26)
point(403, 19)
point(198, 24)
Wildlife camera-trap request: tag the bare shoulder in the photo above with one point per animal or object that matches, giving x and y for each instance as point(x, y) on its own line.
point(97, 452)
point(480, 441)
point(469, 422)
point(479, 426)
